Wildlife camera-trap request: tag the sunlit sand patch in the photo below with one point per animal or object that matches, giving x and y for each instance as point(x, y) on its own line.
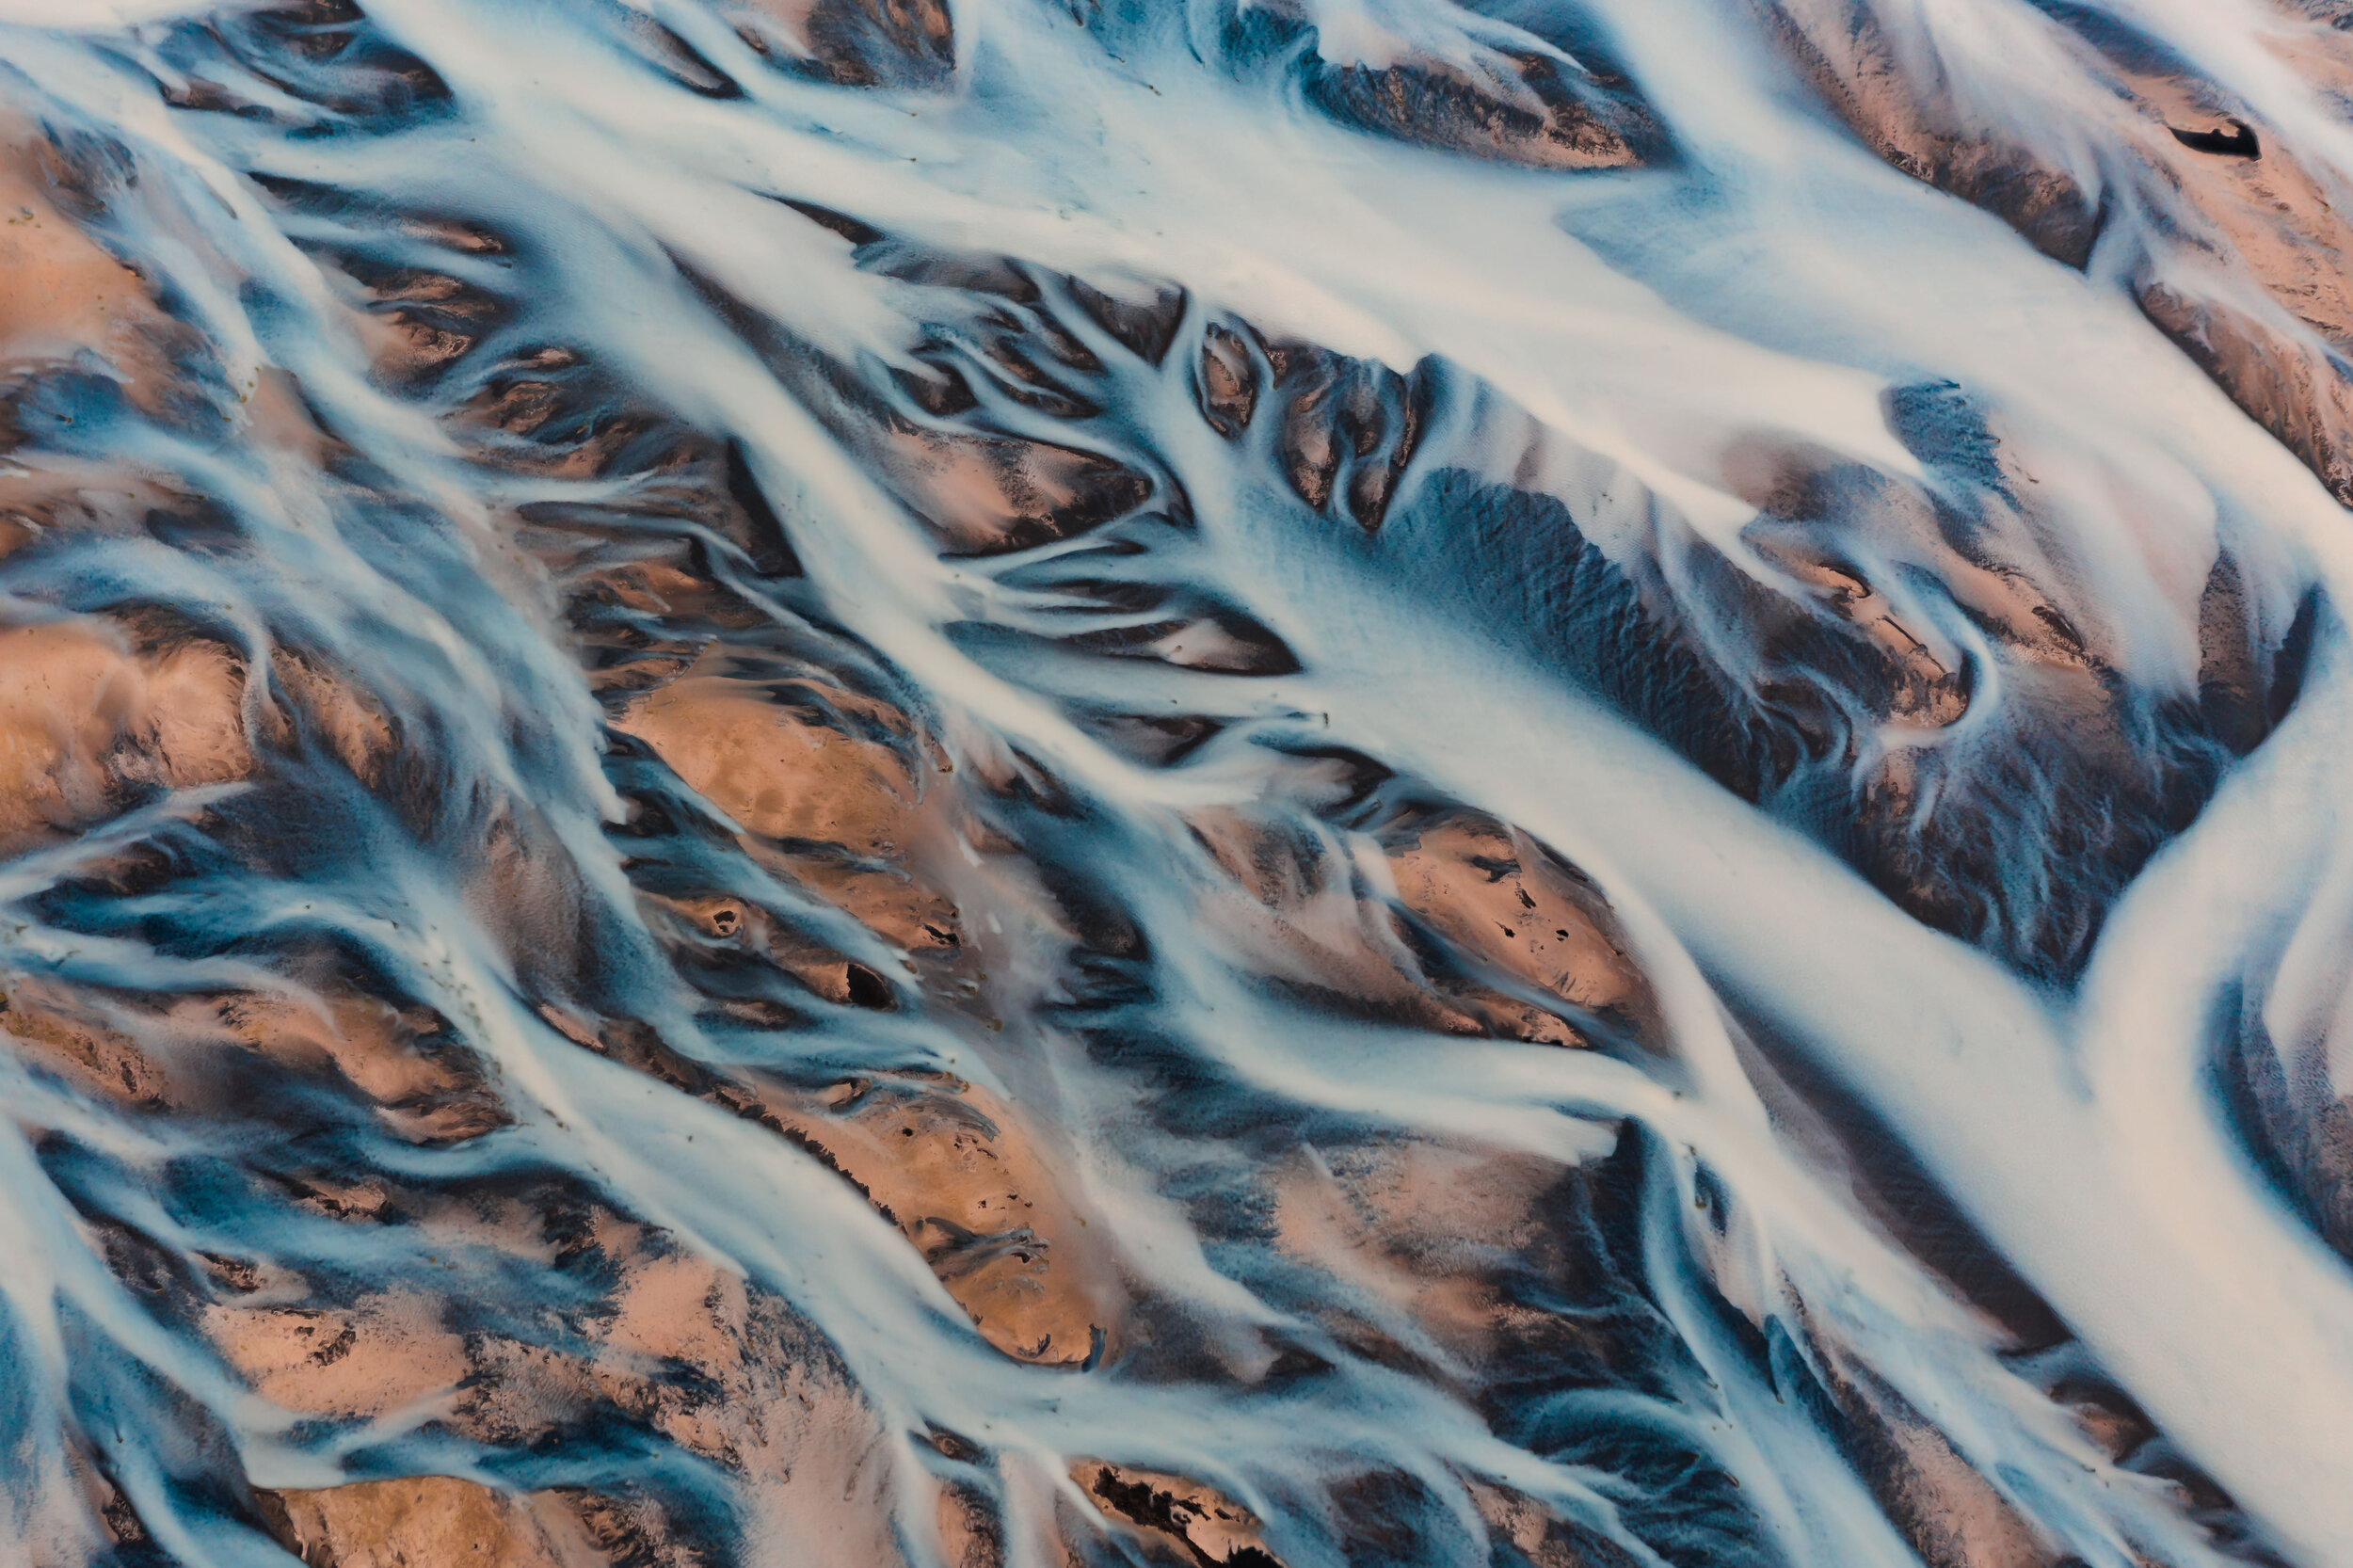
point(63, 296)
point(1419, 1229)
point(425, 1085)
point(853, 43)
point(835, 811)
point(87, 718)
point(1308, 922)
point(1203, 1525)
point(955, 1169)
point(977, 1193)
point(780, 775)
point(340, 712)
point(429, 1519)
point(50, 1025)
point(1497, 894)
point(987, 496)
point(771, 1402)
point(381, 1354)
point(1506, 915)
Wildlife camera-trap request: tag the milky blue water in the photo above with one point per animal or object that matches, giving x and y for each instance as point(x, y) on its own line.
point(767, 560)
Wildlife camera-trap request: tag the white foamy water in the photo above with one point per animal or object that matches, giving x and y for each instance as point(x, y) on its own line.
point(1360, 781)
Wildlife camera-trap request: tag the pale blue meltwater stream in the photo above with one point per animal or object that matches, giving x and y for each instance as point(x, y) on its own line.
point(979, 782)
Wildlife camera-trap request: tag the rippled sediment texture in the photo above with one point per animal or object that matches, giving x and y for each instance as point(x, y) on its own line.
point(970, 783)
